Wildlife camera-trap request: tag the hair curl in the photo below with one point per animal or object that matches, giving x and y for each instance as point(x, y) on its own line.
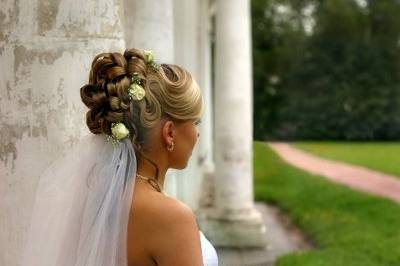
point(170, 92)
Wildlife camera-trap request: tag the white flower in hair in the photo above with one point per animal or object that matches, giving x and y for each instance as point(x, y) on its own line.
point(136, 91)
point(119, 131)
point(148, 57)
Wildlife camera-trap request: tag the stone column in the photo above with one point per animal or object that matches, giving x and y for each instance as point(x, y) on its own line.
point(206, 159)
point(233, 221)
point(186, 34)
point(149, 25)
point(46, 48)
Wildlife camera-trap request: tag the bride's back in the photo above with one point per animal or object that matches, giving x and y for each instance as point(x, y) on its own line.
point(161, 230)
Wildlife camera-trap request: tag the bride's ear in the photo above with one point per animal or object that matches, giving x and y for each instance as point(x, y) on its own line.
point(168, 132)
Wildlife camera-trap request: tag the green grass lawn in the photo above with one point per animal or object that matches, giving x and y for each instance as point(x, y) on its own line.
point(379, 156)
point(348, 228)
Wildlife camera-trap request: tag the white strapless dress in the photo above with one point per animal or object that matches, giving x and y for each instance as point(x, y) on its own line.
point(210, 257)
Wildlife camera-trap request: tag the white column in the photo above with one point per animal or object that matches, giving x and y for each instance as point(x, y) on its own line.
point(186, 34)
point(234, 220)
point(206, 160)
point(149, 25)
point(46, 48)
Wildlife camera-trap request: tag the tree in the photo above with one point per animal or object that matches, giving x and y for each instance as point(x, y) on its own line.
point(340, 82)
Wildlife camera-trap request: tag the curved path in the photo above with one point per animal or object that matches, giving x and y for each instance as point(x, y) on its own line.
point(356, 177)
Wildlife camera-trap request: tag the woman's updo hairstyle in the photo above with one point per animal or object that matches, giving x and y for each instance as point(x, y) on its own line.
point(170, 92)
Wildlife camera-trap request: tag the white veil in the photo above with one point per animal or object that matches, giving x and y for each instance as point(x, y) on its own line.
point(81, 211)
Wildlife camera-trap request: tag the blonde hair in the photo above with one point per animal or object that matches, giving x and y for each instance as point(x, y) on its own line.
point(171, 93)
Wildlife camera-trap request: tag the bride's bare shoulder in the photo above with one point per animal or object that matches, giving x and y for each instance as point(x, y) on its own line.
point(172, 229)
point(166, 209)
point(158, 204)
point(159, 212)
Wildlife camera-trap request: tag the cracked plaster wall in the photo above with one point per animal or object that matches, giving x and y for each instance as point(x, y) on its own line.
point(46, 47)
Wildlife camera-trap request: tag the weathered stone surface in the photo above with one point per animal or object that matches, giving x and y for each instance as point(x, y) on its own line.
point(46, 48)
point(149, 25)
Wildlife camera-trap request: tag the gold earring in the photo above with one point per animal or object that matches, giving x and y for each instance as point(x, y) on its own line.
point(171, 148)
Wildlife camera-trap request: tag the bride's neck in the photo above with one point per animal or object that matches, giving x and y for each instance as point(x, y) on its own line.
point(147, 166)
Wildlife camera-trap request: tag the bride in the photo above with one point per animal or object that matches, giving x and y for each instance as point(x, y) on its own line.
point(102, 203)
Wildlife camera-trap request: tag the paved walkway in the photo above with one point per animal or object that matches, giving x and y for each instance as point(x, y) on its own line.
point(356, 177)
point(282, 237)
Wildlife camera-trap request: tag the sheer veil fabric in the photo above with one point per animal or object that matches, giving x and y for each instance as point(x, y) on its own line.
point(82, 204)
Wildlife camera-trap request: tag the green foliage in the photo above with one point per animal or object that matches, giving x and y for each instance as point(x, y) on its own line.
point(340, 82)
point(348, 228)
point(379, 156)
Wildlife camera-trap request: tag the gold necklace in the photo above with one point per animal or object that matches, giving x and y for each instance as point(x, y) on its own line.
point(152, 182)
